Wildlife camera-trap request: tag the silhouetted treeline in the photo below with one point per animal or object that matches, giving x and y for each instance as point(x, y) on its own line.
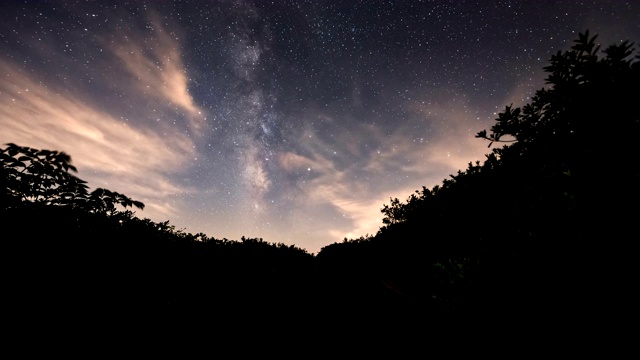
point(79, 259)
point(540, 232)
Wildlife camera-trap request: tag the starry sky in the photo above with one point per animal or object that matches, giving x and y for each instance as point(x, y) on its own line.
point(293, 121)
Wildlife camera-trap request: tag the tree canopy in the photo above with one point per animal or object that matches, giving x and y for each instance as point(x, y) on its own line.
point(543, 222)
point(575, 136)
point(45, 177)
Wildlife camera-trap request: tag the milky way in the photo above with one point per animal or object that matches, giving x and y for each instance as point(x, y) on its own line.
point(294, 121)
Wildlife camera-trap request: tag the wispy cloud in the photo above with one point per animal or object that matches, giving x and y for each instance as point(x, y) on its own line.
point(133, 157)
point(453, 145)
point(155, 63)
point(108, 152)
point(396, 166)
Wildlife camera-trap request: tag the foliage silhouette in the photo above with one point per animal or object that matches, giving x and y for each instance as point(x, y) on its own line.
point(540, 232)
point(540, 228)
point(43, 177)
point(83, 259)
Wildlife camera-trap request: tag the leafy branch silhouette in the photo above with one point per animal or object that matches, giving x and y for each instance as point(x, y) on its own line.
point(45, 177)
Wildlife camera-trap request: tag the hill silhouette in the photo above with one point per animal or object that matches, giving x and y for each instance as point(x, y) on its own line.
point(541, 232)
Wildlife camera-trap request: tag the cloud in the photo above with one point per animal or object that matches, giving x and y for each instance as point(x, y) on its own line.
point(156, 65)
point(107, 151)
point(293, 162)
point(454, 144)
point(393, 165)
point(362, 210)
point(322, 183)
point(123, 152)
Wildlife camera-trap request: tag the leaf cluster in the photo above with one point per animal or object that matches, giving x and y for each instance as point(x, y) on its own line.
point(46, 177)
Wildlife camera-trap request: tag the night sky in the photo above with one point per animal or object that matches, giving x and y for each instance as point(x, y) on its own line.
point(293, 121)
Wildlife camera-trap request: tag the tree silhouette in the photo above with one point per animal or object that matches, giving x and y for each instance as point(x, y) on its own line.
point(43, 177)
point(73, 257)
point(543, 223)
point(561, 148)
